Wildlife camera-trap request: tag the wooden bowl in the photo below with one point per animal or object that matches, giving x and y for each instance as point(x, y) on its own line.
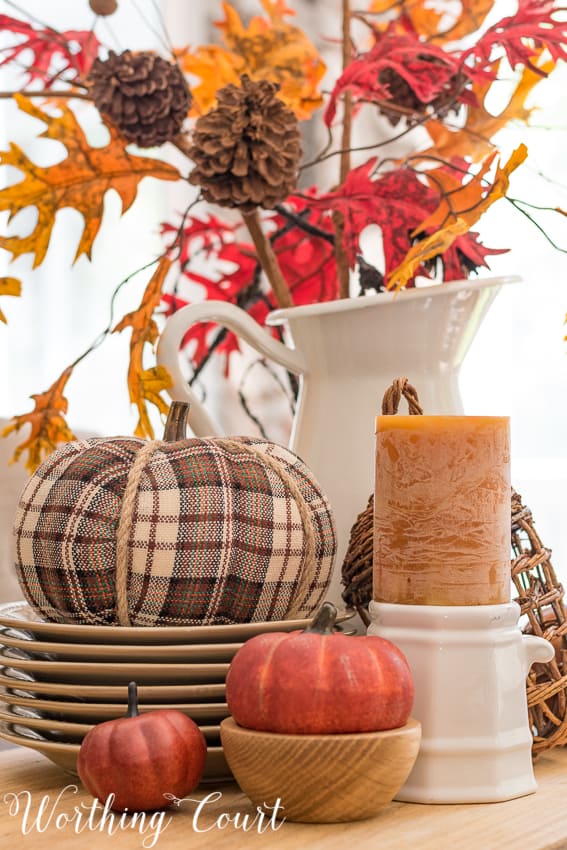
point(321, 778)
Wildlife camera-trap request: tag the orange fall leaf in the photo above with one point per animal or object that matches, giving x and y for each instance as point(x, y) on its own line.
point(457, 199)
point(80, 181)
point(9, 286)
point(47, 421)
point(424, 18)
point(437, 18)
point(474, 139)
point(145, 385)
point(269, 48)
point(471, 17)
point(439, 241)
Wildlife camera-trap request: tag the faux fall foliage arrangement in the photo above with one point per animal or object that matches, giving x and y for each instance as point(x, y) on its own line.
point(235, 109)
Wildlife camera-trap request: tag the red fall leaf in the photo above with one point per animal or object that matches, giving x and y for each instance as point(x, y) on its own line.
point(52, 54)
point(522, 36)
point(397, 202)
point(426, 68)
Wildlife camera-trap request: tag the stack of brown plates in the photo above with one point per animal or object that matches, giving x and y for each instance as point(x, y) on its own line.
point(58, 680)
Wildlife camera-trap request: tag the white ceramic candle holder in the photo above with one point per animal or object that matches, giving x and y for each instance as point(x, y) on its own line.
point(469, 665)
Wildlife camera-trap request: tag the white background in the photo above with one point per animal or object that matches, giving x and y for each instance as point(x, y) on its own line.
point(516, 366)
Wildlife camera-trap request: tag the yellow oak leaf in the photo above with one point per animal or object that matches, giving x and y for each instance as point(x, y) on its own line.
point(80, 181)
point(424, 17)
point(145, 385)
point(269, 48)
point(470, 18)
point(444, 21)
point(424, 250)
point(9, 286)
point(439, 241)
point(216, 67)
point(47, 421)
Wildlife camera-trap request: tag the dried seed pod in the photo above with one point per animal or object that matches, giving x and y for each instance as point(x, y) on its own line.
point(247, 150)
point(143, 95)
point(103, 7)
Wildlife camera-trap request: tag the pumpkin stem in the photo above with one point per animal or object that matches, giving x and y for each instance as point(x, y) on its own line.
point(132, 700)
point(176, 422)
point(323, 622)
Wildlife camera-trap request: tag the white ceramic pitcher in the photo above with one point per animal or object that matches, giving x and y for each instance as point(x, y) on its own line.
point(347, 353)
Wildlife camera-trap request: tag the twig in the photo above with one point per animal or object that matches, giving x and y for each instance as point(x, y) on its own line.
point(268, 259)
point(347, 101)
point(338, 218)
point(46, 93)
point(108, 329)
point(220, 337)
point(530, 218)
point(285, 390)
point(360, 148)
point(244, 403)
point(182, 143)
point(303, 224)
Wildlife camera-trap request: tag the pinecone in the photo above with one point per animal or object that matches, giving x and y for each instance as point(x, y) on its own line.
point(412, 107)
point(143, 95)
point(247, 150)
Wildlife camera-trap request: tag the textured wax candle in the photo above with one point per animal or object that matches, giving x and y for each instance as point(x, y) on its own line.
point(442, 510)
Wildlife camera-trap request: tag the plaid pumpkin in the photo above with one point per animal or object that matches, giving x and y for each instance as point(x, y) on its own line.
point(215, 535)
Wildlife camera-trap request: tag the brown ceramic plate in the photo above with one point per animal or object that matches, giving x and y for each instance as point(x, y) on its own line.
point(196, 653)
point(105, 672)
point(65, 755)
point(19, 615)
point(22, 683)
point(68, 732)
point(97, 712)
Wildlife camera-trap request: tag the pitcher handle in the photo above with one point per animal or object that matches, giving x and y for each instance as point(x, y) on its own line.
point(236, 320)
point(536, 649)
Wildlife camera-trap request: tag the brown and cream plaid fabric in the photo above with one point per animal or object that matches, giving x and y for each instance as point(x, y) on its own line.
point(215, 536)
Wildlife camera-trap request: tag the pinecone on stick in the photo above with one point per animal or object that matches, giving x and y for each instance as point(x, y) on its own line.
point(406, 103)
point(143, 95)
point(247, 150)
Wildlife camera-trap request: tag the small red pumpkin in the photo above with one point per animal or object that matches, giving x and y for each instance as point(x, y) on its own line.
point(140, 758)
point(319, 682)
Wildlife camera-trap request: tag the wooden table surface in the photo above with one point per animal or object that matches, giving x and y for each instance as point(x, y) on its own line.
point(534, 822)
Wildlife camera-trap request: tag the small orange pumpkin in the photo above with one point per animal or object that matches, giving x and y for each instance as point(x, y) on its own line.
point(141, 758)
point(319, 682)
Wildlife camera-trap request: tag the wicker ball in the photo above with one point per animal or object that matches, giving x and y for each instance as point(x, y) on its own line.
point(247, 150)
point(143, 95)
point(194, 531)
point(540, 597)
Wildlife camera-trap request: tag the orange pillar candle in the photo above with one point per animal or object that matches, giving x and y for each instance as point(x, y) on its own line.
point(442, 510)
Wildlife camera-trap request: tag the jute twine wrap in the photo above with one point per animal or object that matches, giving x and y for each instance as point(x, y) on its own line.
point(143, 457)
point(357, 566)
point(123, 533)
